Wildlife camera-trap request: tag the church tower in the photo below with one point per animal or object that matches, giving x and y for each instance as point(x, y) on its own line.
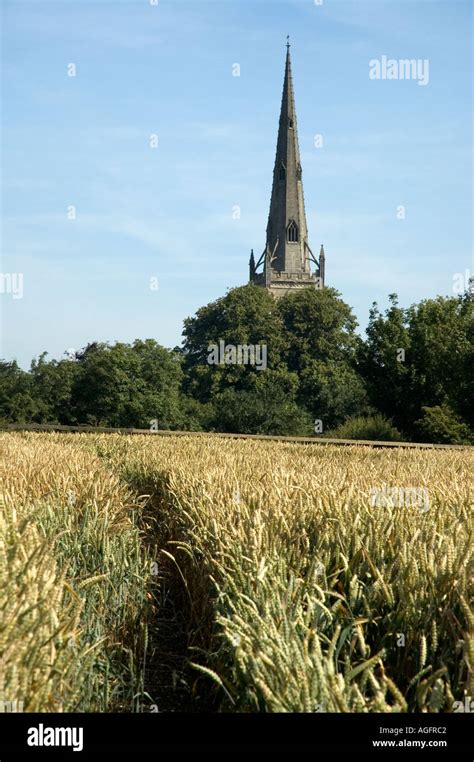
point(287, 257)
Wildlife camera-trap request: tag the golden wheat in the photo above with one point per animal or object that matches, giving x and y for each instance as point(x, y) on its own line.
point(299, 594)
point(70, 566)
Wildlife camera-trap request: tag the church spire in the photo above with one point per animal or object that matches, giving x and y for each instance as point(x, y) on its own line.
point(287, 219)
point(287, 255)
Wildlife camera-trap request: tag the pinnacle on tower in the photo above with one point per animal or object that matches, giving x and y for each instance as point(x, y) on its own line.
point(322, 265)
point(252, 265)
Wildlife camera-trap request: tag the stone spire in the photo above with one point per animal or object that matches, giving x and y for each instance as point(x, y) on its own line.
point(286, 259)
point(286, 229)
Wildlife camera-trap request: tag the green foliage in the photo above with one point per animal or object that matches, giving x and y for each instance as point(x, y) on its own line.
point(414, 365)
point(318, 325)
point(53, 383)
point(118, 385)
point(441, 424)
point(374, 427)
point(267, 409)
point(320, 333)
point(384, 362)
point(332, 391)
point(244, 316)
point(311, 345)
point(437, 336)
point(129, 385)
point(441, 333)
point(17, 402)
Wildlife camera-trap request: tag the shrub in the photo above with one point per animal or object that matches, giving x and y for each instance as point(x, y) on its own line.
point(441, 424)
point(374, 427)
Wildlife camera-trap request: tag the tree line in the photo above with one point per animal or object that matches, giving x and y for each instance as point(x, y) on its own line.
point(410, 378)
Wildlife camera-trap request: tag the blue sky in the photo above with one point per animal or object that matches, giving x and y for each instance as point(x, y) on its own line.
point(167, 212)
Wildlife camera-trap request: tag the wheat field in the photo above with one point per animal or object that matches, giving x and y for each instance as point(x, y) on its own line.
point(285, 585)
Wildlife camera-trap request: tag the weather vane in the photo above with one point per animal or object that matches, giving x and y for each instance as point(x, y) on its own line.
point(287, 40)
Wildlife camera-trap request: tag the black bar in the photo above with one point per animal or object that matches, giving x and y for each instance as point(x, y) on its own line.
point(436, 735)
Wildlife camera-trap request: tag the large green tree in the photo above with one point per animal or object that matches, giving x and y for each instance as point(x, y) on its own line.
point(384, 361)
point(244, 316)
point(420, 359)
point(441, 336)
point(320, 335)
point(52, 384)
point(255, 398)
point(311, 345)
point(17, 400)
point(129, 385)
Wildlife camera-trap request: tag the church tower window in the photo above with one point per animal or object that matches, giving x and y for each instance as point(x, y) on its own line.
point(292, 232)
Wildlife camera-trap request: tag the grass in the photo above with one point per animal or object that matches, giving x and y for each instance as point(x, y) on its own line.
point(285, 588)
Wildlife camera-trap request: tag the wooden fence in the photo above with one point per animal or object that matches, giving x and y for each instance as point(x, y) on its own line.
point(147, 432)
